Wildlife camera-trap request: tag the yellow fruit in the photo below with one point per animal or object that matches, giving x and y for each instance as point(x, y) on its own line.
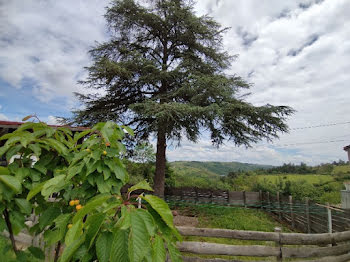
point(72, 203)
point(78, 207)
point(70, 226)
point(76, 202)
point(88, 150)
point(105, 152)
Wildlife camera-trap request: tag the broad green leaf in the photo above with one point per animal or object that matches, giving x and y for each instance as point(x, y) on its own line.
point(7, 136)
point(117, 169)
point(53, 185)
point(74, 233)
point(78, 156)
point(22, 173)
point(26, 138)
point(4, 171)
point(148, 221)
point(79, 135)
point(51, 237)
point(36, 149)
point(42, 169)
point(70, 250)
point(129, 130)
point(61, 223)
point(90, 206)
point(58, 146)
point(139, 241)
point(162, 209)
point(107, 131)
point(13, 151)
point(93, 224)
point(124, 221)
point(4, 149)
point(75, 169)
point(120, 245)
point(141, 185)
point(106, 172)
point(17, 220)
point(102, 185)
point(37, 252)
point(174, 253)
point(12, 182)
point(34, 191)
point(48, 216)
point(103, 246)
point(24, 205)
point(158, 250)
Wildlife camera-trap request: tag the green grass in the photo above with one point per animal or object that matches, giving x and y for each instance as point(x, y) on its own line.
point(311, 178)
point(232, 218)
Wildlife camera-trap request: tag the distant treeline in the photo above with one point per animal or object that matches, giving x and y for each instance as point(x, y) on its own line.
point(302, 168)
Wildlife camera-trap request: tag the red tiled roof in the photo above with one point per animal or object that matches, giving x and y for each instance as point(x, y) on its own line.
point(12, 124)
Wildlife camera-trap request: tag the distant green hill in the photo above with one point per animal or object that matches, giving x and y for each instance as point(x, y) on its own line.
point(213, 168)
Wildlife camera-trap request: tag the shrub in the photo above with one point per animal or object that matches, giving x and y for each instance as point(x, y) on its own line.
point(88, 214)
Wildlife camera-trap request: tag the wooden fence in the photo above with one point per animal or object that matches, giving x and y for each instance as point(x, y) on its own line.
point(304, 216)
point(200, 195)
point(326, 247)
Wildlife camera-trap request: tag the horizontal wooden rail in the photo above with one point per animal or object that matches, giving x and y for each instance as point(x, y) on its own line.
point(342, 258)
point(205, 248)
point(283, 238)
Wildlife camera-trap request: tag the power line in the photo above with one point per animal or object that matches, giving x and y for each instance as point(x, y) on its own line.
point(312, 143)
point(323, 125)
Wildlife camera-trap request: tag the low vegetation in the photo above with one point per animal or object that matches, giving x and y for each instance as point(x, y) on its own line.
point(231, 218)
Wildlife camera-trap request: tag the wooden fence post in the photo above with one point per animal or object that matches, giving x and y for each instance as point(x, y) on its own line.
point(261, 199)
point(279, 206)
point(307, 211)
point(329, 213)
point(228, 197)
point(278, 243)
point(268, 201)
point(244, 199)
point(291, 211)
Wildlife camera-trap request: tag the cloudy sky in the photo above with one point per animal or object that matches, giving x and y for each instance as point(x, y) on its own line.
point(296, 52)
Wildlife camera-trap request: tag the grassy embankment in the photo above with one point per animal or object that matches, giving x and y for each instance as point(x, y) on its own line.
point(232, 218)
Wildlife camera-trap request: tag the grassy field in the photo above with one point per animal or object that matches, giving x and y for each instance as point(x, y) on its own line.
point(312, 178)
point(232, 218)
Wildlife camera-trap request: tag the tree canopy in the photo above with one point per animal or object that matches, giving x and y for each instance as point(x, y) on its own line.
point(164, 73)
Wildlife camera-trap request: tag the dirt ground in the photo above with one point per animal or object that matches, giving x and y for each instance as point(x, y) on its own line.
point(186, 221)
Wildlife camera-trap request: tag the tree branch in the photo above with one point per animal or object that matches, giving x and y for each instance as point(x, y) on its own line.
point(9, 227)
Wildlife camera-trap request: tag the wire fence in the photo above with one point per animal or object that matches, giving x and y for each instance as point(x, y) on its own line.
point(304, 216)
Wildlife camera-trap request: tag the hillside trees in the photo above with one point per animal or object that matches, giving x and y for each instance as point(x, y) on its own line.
point(164, 73)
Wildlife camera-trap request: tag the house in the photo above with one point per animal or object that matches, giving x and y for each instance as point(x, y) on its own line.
point(347, 149)
point(10, 126)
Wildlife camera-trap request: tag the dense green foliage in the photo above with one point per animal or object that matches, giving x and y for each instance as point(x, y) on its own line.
point(164, 73)
point(74, 188)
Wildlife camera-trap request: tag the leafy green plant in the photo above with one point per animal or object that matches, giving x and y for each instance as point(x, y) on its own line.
point(72, 182)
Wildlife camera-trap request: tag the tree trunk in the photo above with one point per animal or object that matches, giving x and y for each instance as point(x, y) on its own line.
point(159, 178)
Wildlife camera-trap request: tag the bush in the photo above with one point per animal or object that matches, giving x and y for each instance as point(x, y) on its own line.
point(88, 215)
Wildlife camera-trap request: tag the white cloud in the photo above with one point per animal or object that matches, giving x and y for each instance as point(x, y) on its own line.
point(3, 117)
point(46, 43)
point(51, 120)
point(296, 52)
